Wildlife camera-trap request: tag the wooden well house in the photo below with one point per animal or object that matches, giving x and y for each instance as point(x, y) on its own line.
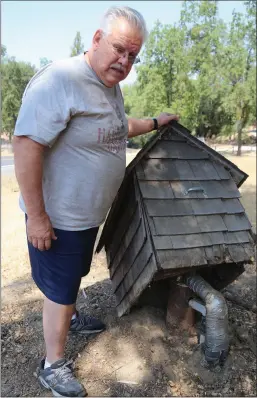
point(178, 209)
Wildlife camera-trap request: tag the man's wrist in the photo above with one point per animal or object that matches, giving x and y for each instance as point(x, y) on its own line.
point(155, 124)
point(36, 214)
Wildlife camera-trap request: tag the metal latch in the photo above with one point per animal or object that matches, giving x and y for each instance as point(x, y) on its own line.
point(196, 189)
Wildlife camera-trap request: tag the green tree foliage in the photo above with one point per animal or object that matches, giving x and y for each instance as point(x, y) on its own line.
point(200, 68)
point(44, 61)
point(15, 77)
point(77, 47)
point(239, 70)
point(3, 51)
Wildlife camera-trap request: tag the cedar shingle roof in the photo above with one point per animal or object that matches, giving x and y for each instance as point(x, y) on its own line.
point(187, 163)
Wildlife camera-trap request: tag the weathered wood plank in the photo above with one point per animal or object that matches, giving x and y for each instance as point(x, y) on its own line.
point(211, 223)
point(121, 216)
point(239, 254)
point(122, 226)
point(180, 189)
point(110, 225)
point(170, 136)
point(189, 241)
point(175, 169)
point(151, 225)
point(133, 274)
point(216, 255)
point(236, 222)
point(160, 169)
point(222, 172)
point(230, 189)
point(204, 170)
point(207, 206)
point(211, 189)
point(126, 241)
point(216, 238)
point(250, 250)
point(169, 259)
point(176, 150)
point(163, 242)
point(238, 175)
point(176, 225)
point(233, 206)
point(167, 169)
point(169, 207)
point(144, 279)
point(236, 237)
point(138, 265)
point(140, 171)
point(188, 224)
point(183, 168)
point(156, 189)
point(118, 272)
point(177, 207)
point(120, 293)
point(199, 240)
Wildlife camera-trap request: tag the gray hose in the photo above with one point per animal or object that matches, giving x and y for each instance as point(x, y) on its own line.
point(216, 344)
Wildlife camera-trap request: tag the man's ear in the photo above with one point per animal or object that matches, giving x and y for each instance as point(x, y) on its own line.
point(96, 38)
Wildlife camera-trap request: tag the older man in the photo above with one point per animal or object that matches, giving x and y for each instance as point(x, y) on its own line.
point(69, 150)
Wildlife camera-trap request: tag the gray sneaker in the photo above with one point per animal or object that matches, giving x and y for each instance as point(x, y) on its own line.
point(60, 379)
point(85, 324)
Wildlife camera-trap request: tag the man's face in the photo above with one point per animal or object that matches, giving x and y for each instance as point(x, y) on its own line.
point(114, 54)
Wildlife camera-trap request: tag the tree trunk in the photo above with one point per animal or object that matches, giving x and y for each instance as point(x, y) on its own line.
point(239, 137)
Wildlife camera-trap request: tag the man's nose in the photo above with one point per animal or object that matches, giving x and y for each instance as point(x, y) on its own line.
point(123, 60)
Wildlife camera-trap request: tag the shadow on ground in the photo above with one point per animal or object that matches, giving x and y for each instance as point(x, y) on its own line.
point(135, 356)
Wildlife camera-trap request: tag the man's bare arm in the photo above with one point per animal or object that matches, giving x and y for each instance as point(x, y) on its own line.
point(28, 160)
point(143, 126)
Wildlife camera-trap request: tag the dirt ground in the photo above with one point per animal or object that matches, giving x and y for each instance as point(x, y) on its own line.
point(136, 355)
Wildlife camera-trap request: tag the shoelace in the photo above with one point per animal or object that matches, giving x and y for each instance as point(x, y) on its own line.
point(84, 293)
point(85, 319)
point(65, 371)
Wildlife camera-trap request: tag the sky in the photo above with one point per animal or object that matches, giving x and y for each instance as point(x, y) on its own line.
point(35, 29)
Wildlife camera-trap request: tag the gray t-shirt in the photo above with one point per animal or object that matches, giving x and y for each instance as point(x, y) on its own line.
point(83, 125)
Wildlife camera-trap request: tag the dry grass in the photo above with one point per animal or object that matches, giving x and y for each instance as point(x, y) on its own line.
point(15, 263)
point(6, 152)
point(248, 189)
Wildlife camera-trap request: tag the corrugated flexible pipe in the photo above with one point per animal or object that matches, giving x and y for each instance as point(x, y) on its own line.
point(216, 345)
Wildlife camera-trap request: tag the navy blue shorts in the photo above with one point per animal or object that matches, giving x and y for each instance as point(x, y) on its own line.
point(57, 272)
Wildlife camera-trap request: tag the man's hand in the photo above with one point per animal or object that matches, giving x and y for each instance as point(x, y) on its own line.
point(142, 126)
point(165, 118)
point(40, 231)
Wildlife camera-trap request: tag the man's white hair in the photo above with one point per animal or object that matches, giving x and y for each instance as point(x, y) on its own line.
point(133, 17)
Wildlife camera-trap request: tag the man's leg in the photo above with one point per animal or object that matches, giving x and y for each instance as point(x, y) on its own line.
point(57, 273)
point(56, 324)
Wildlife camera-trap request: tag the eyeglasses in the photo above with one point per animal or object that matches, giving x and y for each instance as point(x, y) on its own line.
point(121, 53)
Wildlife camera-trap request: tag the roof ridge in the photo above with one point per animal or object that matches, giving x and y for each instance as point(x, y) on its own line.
point(184, 132)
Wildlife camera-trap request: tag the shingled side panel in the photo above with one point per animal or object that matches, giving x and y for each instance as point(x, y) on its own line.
point(142, 270)
point(164, 149)
point(210, 189)
point(240, 253)
point(181, 258)
point(200, 240)
point(171, 136)
point(156, 189)
point(188, 224)
point(236, 222)
point(204, 170)
point(137, 267)
point(138, 287)
point(122, 221)
point(119, 270)
point(126, 241)
point(167, 207)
